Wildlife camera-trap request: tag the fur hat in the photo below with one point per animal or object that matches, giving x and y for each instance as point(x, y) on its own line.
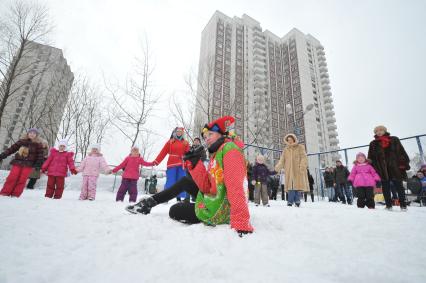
point(380, 127)
point(63, 142)
point(290, 135)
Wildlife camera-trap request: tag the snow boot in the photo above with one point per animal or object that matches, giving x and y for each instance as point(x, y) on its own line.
point(144, 206)
point(388, 208)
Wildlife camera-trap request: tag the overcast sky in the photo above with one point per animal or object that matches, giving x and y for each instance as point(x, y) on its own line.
point(375, 50)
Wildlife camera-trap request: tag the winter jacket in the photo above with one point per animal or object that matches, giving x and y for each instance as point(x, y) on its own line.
point(57, 163)
point(295, 163)
point(329, 179)
point(363, 175)
point(35, 174)
point(28, 153)
point(341, 174)
point(131, 166)
point(261, 172)
point(93, 164)
point(390, 163)
point(230, 173)
point(175, 149)
point(203, 153)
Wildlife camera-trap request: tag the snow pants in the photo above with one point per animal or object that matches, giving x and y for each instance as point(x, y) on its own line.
point(365, 197)
point(88, 189)
point(130, 186)
point(55, 187)
point(15, 181)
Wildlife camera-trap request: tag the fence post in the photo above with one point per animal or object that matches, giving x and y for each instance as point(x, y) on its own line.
point(419, 144)
point(346, 157)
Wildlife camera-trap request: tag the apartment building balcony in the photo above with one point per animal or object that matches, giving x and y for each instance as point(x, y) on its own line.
point(323, 69)
point(259, 53)
point(330, 119)
point(324, 75)
point(327, 93)
point(332, 127)
point(329, 112)
point(328, 99)
point(322, 64)
point(320, 47)
point(334, 141)
point(321, 52)
point(325, 81)
point(328, 106)
point(332, 134)
point(326, 87)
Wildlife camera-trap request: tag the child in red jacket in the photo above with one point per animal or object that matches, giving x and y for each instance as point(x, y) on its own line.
point(56, 166)
point(131, 166)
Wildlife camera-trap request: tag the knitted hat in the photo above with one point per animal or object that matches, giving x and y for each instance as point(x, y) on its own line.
point(96, 145)
point(33, 130)
point(381, 127)
point(361, 154)
point(63, 142)
point(220, 125)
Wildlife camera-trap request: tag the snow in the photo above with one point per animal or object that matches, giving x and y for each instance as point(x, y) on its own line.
point(46, 240)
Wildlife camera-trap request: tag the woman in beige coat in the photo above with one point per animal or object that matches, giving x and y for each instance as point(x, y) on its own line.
point(294, 162)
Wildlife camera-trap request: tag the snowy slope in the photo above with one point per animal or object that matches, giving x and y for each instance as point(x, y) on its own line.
point(44, 240)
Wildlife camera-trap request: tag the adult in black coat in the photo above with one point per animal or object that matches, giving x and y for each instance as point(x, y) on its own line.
point(311, 187)
point(390, 160)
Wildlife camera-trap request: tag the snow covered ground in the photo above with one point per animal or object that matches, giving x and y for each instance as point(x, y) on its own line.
point(45, 240)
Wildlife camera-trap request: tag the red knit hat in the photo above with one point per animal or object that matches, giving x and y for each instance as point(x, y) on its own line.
point(220, 125)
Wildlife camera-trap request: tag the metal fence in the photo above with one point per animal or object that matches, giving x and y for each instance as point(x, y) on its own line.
point(414, 146)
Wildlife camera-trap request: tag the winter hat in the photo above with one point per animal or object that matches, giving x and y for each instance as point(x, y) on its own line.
point(360, 154)
point(220, 125)
point(381, 127)
point(290, 135)
point(33, 130)
point(63, 142)
point(97, 146)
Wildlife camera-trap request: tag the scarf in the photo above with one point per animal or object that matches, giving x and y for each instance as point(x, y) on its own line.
point(384, 141)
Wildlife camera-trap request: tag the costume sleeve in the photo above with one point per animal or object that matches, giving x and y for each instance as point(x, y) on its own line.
point(234, 174)
point(121, 166)
point(201, 177)
point(162, 153)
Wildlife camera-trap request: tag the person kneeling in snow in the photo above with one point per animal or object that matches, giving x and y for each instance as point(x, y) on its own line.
point(220, 197)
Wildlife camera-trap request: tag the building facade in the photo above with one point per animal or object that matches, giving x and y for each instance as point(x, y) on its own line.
point(272, 85)
point(40, 93)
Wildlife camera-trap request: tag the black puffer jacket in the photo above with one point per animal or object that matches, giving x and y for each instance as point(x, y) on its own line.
point(341, 174)
point(329, 179)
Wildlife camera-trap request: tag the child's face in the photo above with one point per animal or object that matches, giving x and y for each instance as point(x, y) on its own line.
point(134, 152)
point(420, 175)
point(360, 159)
point(260, 159)
point(95, 150)
point(380, 132)
point(290, 140)
point(62, 148)
point(32, 135)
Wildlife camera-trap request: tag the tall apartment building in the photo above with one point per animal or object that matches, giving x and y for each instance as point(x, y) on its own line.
point(40, 94)
point(266, 82)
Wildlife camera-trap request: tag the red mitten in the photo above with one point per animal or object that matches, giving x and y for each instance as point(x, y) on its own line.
point(73, 171)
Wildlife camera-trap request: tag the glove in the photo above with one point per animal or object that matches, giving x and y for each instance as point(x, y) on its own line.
point(192, 157)
point(73, 171)
point(378, 184)
point(241, 233)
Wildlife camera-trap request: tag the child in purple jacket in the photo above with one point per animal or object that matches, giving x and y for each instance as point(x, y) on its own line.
point(364, 179)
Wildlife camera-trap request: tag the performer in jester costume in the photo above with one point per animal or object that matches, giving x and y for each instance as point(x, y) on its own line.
point(220, 196)
point(175, 147)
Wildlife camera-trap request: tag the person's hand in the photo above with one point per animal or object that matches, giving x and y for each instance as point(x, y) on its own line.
point(241, 233)
point(74, 172)
point(192, 157)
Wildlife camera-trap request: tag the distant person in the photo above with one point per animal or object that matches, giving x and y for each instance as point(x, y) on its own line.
point(364, 179)
point(56, 167)
point(391, 162)
point(90, 167)
point(28, 155)
point(260, 179)
point(341, 174)
point(294, 161)
point(329, 183)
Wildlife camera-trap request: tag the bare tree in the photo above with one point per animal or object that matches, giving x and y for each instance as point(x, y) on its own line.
point(182, 112)
point(22, 24)
point(134, 101)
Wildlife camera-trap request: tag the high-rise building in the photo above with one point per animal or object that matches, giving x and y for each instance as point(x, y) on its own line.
point(39, 94)
point(272, 85)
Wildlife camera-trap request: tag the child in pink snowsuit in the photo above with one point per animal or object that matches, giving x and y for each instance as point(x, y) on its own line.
point(131, 166)
point(91, 167)
point(364, 179)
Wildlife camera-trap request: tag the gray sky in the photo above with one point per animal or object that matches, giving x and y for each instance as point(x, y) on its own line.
point(375, 51)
